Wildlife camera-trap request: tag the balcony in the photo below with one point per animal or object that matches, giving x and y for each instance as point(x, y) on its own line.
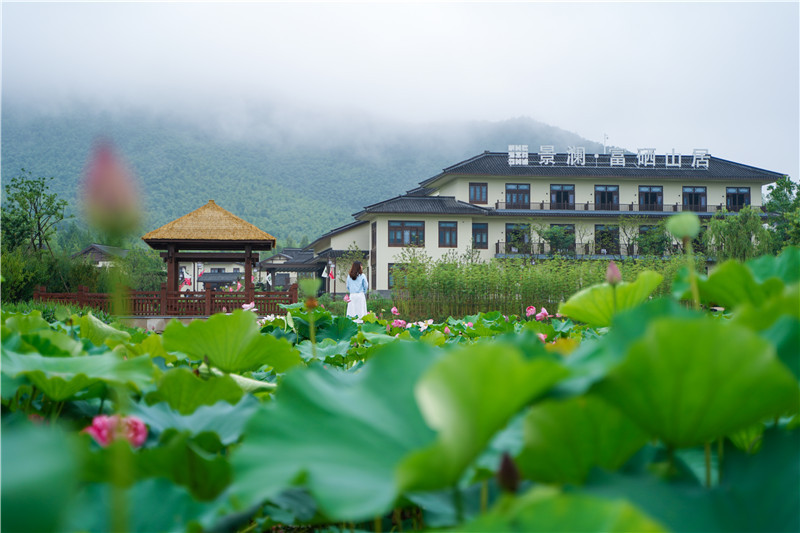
point(608, 207)
point(541, 248)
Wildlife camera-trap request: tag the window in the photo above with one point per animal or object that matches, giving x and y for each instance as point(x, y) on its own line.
point(606, 239)
point(737, 198)
point(480, 236)
point(562, 196)
point(216, 269)
point(478, 193)
point(404, 233)
point(694, 199)
point(236, 269)
point(448, 234)
point(395, 269)
point(651, 198)
point(518, 196)
point(606, 197)
point(518, 239)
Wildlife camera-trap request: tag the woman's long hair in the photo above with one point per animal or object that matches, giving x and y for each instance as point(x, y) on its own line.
point(355, 270)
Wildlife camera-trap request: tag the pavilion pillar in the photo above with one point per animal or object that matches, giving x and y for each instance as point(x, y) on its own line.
point(249, 289)
point(172, 270)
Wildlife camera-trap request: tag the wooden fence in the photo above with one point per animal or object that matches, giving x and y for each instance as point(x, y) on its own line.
point(174, 303)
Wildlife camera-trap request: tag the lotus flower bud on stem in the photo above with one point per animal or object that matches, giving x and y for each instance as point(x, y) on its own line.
point(613, 275)
point(508, 474)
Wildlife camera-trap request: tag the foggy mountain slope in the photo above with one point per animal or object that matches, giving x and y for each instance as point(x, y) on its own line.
point(288, 177)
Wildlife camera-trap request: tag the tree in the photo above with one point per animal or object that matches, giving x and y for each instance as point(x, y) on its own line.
point(741, 236)
point(783, 204)
point(31, 213)
point(655, 241)
point(560, 238)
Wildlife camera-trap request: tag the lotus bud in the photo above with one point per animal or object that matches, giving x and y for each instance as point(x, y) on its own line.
point(508, 474)
point(613, 275)
point(684, 226)
point(110, 196)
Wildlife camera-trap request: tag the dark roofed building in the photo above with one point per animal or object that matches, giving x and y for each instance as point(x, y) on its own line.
point(493, 202)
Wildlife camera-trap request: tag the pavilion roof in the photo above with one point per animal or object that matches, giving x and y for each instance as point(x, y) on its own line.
point(210, 227)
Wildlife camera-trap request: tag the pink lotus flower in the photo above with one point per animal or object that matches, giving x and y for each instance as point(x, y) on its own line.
point(399, 323)
point(530, 311)
point(613, 275)
point(249, 307)
point(469, 324)
point(446, 330)
point(346, 298)
point(542, 337)
point(395, 311)
point(105, 429)
point(110, 194)
point(542, 314)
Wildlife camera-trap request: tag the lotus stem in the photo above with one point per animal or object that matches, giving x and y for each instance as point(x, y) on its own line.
point(707, 447)
point(458, 503)
point(398, 518)
point(377, 524)
point(720, 447)
point(484, 495)
point(687, 242)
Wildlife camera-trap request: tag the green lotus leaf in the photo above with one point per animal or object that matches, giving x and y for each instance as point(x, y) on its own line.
point(62, 377)
point(53, 343)
point(564, 440)
point(595, 358)
point(24, 322)
point(185, 392)
point(785, 267)
point(39, 473)
point(177, 457)
point(232, 343)
point(596, 305)
point(785, 336)
point(339, 434)
point(154, 505)
point(340, 329)
point(225, 420)
point(468, 396)
point(691, 381)
point(756, 492)
point(326, 348)
point(748, 439)
point(548, 511)
point(732, 284)
point(98, 332)
point(763, 316)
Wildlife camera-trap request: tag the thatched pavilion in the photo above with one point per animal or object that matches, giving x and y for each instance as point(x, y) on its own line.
point(212, 234)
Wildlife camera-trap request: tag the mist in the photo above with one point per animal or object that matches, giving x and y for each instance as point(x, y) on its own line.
point(676, 75)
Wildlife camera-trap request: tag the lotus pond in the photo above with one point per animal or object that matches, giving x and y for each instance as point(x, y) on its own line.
point(622, 412)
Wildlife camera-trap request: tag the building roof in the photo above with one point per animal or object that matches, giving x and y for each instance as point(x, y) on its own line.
point(335, 231)
point(210, 226)
point(220, 277)
point(427, 205)
point(102, 250)
point(496, 164)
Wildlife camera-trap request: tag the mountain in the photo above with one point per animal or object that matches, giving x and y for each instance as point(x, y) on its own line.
point(293, 174)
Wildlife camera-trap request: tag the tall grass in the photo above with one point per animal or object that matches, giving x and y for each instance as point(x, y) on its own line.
point(457, 286)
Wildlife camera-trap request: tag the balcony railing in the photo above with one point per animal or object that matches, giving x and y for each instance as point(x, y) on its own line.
point(625, 208)
point(175, 303)
point(542, 248)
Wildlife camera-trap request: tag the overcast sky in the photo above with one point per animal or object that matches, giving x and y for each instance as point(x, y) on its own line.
point(722, 76)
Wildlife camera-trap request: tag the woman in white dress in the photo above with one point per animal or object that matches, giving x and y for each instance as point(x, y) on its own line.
point(357, 287)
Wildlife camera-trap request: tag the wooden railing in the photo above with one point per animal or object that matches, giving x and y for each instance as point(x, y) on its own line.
point(175, 303)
